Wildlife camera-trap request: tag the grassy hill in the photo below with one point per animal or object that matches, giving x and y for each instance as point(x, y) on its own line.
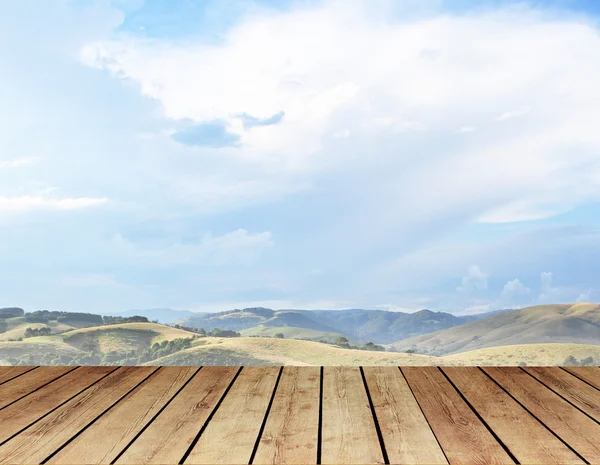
point(122, 337)
point(290, 332)
point(569, 323)
point(356, 324)
point(264, 351)
point(529, 354)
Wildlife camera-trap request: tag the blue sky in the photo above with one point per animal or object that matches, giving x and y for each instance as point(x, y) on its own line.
point(299, 154)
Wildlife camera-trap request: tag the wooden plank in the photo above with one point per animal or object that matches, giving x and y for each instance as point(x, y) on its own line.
point(231, 434)
point(406, 434)
point(572, 426)
point(112, 432)
point(530, 442)
point(44, 437)
point(590, 375)
point(169, 436)
point(8, 373)
point(292, 429)
point(25, 384)
point(463, 437)
point(348, 428)
point(29, 409)
point(571, 388)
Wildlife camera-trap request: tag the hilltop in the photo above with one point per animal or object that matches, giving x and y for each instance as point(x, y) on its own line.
point(356, 324)
point(569, 323)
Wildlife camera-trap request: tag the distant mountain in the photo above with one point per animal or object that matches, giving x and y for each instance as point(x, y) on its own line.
point(163, 315)
point(570, 323)
point(360, 325)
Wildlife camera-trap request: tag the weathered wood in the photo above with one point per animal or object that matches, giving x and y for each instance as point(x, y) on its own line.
point(169, 436)
point(29, 382)
point(113, 431)
point(8, 373)
point(31, 408)
point(571, 388)
point(46, 436)
point(232, 433)
point(348, 427)
point(530, 442)
point(406, 434)
point(572, 426)
point(463, 437)
point(590, 375)
point(292, 428)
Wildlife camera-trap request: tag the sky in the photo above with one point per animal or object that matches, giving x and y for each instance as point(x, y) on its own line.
point(320, 154)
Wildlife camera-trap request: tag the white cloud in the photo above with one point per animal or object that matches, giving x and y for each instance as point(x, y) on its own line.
point(236, 247)
point(28, 203)
point(585, 296)
point(475, 280)
point(514, 289)
point(513, 114)
point(368, 76)
point(17, 162)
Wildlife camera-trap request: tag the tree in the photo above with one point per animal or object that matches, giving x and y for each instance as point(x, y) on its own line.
point(279, 335)
point(571, 361)
point(588, 361)
point(342, 342)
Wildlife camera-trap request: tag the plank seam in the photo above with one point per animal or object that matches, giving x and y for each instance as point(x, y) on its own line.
point(16, 376)
point(424, 416)
point(264, 422)
point(146, 426)
point(561, 396)
point(212, 414)
point(320, 428)
point(579, 378)
point(57, 407)
point(96, 419)
point(374, 415)
point(492, 432)
point(38, 388)
point(535, 417)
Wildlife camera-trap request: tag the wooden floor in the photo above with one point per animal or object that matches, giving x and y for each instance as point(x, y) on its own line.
point(303, 415)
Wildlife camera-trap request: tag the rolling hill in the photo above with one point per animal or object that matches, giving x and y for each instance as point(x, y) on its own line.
point(356, 324)
point(262, 351)
point(570, 323)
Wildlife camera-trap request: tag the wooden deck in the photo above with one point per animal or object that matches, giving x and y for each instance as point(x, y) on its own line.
point(303, 415)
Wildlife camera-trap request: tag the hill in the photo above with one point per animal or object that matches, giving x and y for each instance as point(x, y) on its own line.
point(570, 323)
point(122, 337)
point(262, 351)
point(360, 325)
point(528, 354)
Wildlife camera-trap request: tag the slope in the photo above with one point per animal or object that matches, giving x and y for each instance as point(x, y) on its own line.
point(569, 323)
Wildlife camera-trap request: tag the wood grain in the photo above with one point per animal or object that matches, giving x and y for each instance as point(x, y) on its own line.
point(292, 429)
point(29, 409)
point(590, 375)
point(30, 381)
point(406, 433)
point(168, 437)
point(527, 439)
point(572, 426)
point(232, 433)
point(112, 432)
point(8, 373)
point(570, 387)
point(40, 440)
point(348, 428)
point(463, 437)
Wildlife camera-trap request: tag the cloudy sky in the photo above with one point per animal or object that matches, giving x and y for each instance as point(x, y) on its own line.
point(212, 154)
